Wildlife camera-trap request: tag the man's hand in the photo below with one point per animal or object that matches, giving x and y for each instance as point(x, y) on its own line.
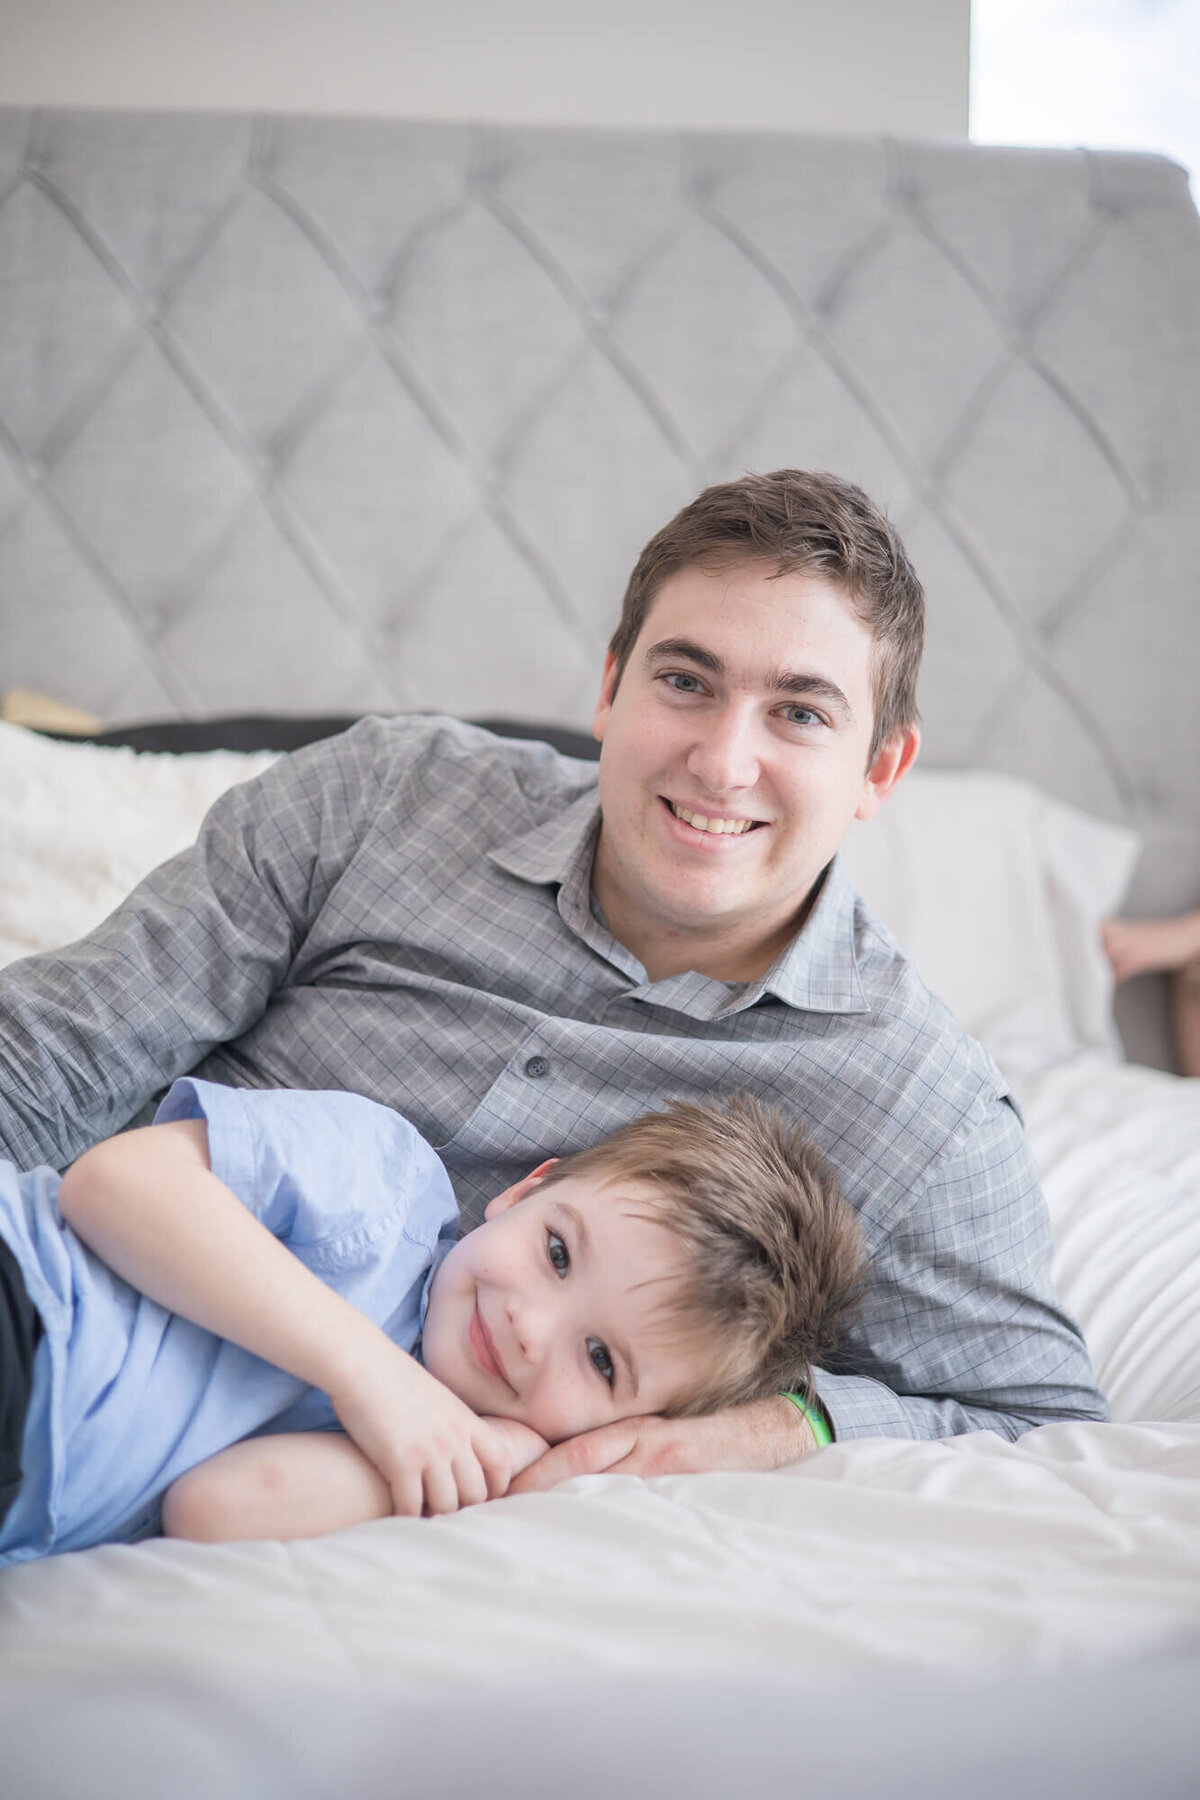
point(765, 1434)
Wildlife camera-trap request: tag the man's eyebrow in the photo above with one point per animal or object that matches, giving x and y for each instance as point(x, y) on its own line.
point(799, 683)
point(679, 646)
point(584, 1243)
point(802, 685)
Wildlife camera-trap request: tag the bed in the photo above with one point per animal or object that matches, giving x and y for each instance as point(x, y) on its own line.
point(291, 411)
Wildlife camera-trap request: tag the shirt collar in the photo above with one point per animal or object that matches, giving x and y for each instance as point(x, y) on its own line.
point(558, 850)
point(818, 972)
point(561, 852)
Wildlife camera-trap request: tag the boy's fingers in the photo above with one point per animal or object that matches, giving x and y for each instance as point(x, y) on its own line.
point(495, 1461)
point(408, 1495)
point(441, 1489)
point(471, 1481)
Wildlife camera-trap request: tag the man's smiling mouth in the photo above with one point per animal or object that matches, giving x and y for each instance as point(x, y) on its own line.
point(717, 827)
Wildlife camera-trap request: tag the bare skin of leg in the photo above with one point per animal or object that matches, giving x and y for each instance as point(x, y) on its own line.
point(1166, 946)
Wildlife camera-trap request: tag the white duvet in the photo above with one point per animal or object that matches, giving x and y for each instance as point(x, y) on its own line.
point(1079, 1543)
point(1074, 1548)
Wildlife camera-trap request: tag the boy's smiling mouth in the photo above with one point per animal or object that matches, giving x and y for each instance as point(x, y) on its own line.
point(486, 1354)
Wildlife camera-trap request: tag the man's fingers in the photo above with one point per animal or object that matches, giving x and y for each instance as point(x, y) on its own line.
point(589, 1454)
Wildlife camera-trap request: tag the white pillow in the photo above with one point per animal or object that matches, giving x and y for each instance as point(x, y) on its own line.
point(80, 824)
point(995, 890)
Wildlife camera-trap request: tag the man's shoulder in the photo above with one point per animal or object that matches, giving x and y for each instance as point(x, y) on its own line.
point(940, 1088)
point(421, 756)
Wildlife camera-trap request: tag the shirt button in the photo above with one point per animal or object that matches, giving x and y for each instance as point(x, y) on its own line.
point(536, 1067)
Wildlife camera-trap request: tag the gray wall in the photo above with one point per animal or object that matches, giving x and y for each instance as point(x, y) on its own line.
point(856, 65)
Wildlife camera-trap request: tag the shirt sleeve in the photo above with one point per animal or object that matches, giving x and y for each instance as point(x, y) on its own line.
point(91, 1033)
point(962, 1329)
point(331, 1175)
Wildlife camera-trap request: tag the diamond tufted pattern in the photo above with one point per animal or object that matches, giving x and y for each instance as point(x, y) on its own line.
point(301, 413)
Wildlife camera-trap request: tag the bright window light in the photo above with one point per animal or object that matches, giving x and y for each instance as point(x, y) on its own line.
point(1114, 74)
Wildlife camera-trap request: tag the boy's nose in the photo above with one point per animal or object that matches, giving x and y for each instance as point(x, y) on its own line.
point(528, 1328)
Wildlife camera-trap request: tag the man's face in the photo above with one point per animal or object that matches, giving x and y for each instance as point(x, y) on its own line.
point(734, 757)
point(549, 1311)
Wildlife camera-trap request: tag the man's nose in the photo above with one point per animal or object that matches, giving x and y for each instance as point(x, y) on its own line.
point(725, 756)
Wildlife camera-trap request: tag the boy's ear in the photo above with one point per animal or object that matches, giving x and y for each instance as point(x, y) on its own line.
point(893, 761)
point(500, 1203)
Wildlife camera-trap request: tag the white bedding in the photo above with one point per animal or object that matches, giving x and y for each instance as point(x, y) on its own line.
point(1078, 1544)
point(1071, 1550)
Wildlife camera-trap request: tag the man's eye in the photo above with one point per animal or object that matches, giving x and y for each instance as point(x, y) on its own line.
point(801, 715)
point(556, 1250)
point(683, 683)
point(601, 1361)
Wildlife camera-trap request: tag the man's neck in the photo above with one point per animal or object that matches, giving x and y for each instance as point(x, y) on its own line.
point(721, 954)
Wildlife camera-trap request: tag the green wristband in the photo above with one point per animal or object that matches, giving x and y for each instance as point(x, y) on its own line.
point(818, 1423)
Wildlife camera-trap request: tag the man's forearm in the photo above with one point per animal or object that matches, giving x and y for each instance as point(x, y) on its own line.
point(860, 1407)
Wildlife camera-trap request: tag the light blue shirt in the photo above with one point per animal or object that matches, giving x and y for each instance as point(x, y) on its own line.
point(127, 1396)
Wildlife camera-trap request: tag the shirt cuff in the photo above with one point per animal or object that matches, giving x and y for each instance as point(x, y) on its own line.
point(856, 1406)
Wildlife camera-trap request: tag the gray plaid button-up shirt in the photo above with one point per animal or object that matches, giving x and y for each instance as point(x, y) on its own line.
point(406, 911)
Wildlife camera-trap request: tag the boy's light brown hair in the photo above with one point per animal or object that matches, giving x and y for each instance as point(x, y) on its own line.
point(797, 521)
point(775, 1254)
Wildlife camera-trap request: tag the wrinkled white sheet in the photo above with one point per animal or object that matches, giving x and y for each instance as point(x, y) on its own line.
point(1077, 1545)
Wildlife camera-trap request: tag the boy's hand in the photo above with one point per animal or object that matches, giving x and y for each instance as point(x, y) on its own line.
point(763, 1434)
point(434, 1453)
point(523, 1441)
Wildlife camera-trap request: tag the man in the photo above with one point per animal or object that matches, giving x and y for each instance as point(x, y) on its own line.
point(460, 927)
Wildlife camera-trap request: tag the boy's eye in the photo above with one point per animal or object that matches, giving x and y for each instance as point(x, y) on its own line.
point(683, 682)
point(801, 715)
point(556, 1250)
point(601, 1361)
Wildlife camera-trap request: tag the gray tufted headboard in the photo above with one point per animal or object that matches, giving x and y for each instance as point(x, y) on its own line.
point(318, 415)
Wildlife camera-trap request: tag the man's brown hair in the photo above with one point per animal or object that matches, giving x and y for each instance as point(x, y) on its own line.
point(799, 522)
point(774, 1253)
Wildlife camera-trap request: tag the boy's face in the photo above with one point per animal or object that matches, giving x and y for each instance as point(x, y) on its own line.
point(549, 1312)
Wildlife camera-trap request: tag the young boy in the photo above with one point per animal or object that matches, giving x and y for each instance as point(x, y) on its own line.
point(197, 1306)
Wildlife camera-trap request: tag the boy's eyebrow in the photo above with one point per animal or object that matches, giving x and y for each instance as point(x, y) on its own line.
point(584, 1243)
point(780, 681)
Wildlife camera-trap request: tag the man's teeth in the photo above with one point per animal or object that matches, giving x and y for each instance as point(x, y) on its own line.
point(735, 827)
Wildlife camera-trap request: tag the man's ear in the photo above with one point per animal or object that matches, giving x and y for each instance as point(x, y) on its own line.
point(608, 687)
point(891, 763)
point(500, 1203)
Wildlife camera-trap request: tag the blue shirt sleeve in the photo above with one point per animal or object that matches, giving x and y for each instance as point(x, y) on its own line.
point(328, 1174)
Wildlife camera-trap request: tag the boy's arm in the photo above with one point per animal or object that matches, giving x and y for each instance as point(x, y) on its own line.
point(295, 1485)
point(148, 1204)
